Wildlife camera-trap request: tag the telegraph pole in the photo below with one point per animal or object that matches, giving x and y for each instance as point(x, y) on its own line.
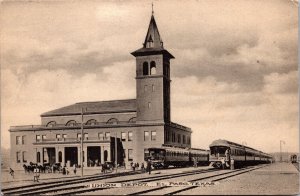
point(116, 153)
point(283, 142)
point(81, 142)
point(280, 152)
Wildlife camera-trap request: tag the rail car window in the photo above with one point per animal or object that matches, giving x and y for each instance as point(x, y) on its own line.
point(218, 150)
point(157, 154)
point(146, 154)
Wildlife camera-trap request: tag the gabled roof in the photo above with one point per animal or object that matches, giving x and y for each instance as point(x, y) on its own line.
point(114, 106)
point(153, 43)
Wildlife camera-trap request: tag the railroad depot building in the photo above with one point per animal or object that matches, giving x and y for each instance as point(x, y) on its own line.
point(135, 124)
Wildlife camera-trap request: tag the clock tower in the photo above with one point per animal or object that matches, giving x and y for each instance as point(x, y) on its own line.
point(153, 78)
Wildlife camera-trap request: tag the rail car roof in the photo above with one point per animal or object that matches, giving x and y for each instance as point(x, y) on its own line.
point(227, 143)
point(170, 149)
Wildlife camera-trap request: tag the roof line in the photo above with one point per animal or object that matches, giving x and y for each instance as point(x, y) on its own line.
point(104, 101)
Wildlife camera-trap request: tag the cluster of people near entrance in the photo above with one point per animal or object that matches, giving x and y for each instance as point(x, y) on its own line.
point(148, 168)
point(105, 167)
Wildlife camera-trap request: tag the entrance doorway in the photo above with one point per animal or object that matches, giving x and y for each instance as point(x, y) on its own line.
point(93, 156)
point(71, 156)
point(49, 156)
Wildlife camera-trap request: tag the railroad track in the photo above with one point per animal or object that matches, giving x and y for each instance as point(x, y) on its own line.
point(143, 179)
point(79, 186)
point(212, 178)
point(20, 190)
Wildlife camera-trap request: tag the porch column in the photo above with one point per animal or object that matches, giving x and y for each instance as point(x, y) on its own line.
point(109, 154)
point(79, 155)
point(85, 156)
point(56, 154)
point(63, 156)
point(102, 154)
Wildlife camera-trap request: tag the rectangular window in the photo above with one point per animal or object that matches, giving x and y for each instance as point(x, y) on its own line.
point(43, 137)
point(123, 136)
point(146, 135)
point(183, 139)
point(179, 138)
point(100, 136)
point(23, 139)
point(153, 135)
point(64, 136)
point(57, 136)
point(130, 155)
point(18, 140)
point(153, 88)
point(149, 104)
point(18, 157)
point(130, 136)
point(107, 135)
point(124, 153)
point(78, 135)
point(38, 138)
point(24, 154)
point(86, 136)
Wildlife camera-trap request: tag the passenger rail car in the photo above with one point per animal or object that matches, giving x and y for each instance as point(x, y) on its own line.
point(294, 158)
point(164, 157)
point(223, 153)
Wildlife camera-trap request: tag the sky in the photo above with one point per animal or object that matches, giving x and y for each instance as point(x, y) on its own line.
point(234, 76)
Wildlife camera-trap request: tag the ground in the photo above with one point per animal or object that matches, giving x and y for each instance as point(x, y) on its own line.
point(274, 179)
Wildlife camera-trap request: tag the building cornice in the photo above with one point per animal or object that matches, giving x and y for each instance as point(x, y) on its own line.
point(88, 113)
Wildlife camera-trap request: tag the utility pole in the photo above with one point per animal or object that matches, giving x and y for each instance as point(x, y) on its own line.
point(81, 142)
point(281, 141)
point(116, 153)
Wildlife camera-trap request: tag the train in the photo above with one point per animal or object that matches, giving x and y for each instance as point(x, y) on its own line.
point(294, 158)
point(225, 153)
point(166, 156)
point(222, 154)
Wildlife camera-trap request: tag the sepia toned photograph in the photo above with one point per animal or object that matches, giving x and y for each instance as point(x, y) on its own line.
point(162, 97)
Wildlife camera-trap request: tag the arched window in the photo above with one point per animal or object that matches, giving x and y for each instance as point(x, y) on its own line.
point(132, 120)
point(112, 121)
point(105, 155)
point(152, 68)
point(51, 124)
point(38, 157)
point(71, 123)
point(91, 122)
point(145, 69)
point(60, 156)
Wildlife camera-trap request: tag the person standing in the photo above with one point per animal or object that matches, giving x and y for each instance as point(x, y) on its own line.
point(36, 174)
point(143, 167)
point(75, 169)
point(149, 166)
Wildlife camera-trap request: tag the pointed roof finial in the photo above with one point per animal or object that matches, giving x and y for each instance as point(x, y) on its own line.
point(152, 9)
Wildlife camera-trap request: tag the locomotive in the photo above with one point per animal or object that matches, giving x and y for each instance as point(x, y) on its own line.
point(166, 156)
point(223, 153)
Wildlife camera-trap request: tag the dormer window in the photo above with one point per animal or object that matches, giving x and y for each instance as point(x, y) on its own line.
point(150, 42)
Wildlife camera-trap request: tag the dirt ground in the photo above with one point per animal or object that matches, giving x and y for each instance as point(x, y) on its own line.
point(276, 179)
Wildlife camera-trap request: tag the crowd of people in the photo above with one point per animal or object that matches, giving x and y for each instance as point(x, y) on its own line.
point(148, 168)
point(105, 167)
